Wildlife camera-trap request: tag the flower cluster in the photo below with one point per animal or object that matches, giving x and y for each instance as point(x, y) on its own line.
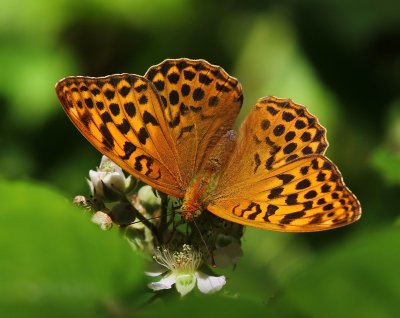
point(182, 252)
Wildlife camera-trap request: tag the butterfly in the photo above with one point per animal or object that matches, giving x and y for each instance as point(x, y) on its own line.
point(172, 129)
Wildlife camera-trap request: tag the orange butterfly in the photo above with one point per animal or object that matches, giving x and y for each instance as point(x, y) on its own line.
point(171, 129)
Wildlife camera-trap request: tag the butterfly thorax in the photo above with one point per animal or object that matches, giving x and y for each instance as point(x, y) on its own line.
point(204, 184)
point(196, 197)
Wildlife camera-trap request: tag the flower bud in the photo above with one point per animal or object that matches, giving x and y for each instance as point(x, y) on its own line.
point(108, 183)
point(103, 220)
point(148, 199)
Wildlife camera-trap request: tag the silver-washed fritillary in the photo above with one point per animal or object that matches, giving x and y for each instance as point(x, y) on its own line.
point(171, 128)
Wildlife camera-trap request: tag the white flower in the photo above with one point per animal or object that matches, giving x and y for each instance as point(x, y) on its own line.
point(148, 199)
point(108, 183)
point(181, 269)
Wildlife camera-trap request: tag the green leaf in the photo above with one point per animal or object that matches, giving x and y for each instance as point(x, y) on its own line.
point(54, 261)
point(200, 306)
point(358, 279)
point(387, 163)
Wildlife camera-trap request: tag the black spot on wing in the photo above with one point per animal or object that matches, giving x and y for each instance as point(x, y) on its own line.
point(304, 170)
point(285, 177)
point(160, 85)
point(288, 218)
point(291, 199)
point(106, 117)
point(143, 135)
point(143, 100)
point(189, 75)
point(198, 94)
point(265, 124)
point(213, 101)
point(275, 192)
point(300, 124)
point(311, 194)
point(289, 148)
point(185, 90)
point(290, 135)
point(251, 206)
point(204, 79)
point(124, 127)
point(325, 188)
point(272, 110)
point(100, 105)
point(124, 91)
point(181, 65)
point(271, 209)
point(279, 130)
point(129, 148)
point(286, 116)
point(114, 108)
point(307, 150)
point(130, 109)
point(173, 78)
point(173, 97)
point(149, 118)
point(306, 136)
point(89, 102)
point(108, 140)
point(139, 165)
point(86, 118)
point(165, 67)
point(303, 184)
point(109, 94)
point(140, 88)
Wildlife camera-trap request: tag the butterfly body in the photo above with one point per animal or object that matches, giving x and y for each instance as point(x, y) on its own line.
point(193, 202)
point(198, 193)
point(171, 128)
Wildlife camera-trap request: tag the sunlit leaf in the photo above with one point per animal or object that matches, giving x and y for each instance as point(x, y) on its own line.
point(54, 260)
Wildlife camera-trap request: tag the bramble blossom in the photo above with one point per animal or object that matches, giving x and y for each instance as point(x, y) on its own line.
point(182, 269)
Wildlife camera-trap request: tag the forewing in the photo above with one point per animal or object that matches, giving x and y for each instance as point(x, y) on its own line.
point(200, 103)
point(121, 115)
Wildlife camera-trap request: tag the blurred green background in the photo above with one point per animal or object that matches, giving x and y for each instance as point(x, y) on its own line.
point(340, 58)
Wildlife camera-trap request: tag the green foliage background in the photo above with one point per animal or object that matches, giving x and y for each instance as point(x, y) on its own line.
point(340, 58)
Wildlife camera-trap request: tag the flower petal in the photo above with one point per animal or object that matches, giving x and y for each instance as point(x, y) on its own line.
point(164, 283)
point(185, 283)
point(115, 181)
point(155, 269)
point(209, 284)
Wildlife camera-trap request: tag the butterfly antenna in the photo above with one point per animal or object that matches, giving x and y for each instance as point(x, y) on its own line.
point(213, 264)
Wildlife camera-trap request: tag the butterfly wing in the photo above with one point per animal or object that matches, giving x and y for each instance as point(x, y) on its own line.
point(121, 115)
point(159, 127)
point(278, 178)
point(201, 102)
